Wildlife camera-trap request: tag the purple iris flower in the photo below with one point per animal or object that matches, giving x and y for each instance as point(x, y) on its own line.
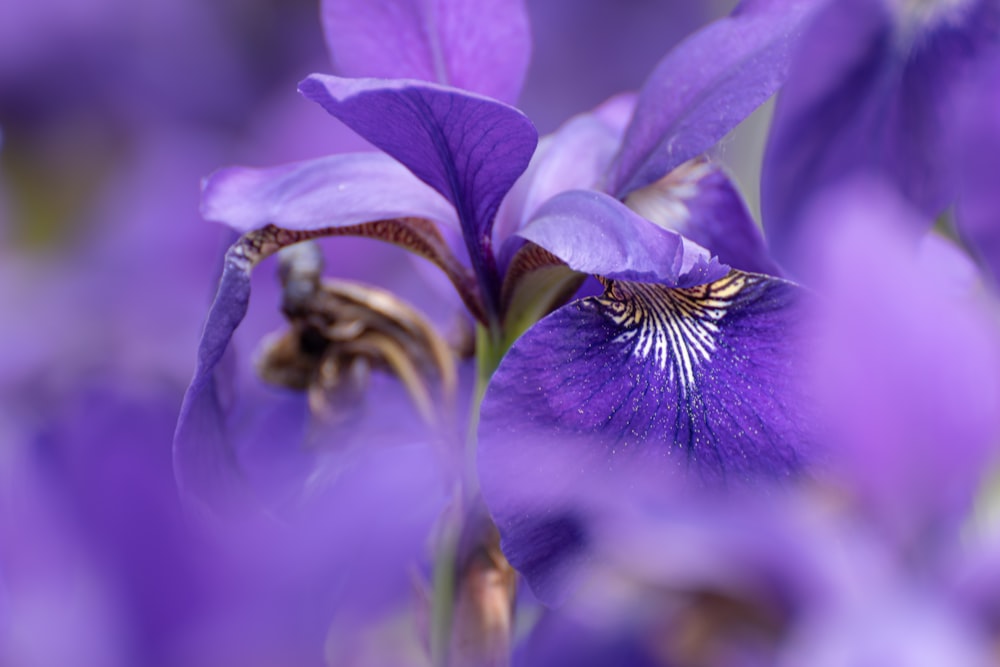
point(681, 352)
point(875, 88)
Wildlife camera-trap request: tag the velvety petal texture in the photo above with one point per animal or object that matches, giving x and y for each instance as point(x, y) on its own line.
point(469, 148)
point(332, 191)
point(694, 383)
point(482, 46)
point(594, 233)
point(706, 86)
point(699, 201)
point(871, 91)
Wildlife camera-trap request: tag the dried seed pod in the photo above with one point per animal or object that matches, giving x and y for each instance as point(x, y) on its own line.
point(340, 331)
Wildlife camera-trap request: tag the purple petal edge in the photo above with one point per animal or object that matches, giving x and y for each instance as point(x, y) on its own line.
point(706, 86)
point(865, 97)
point(978, 160)
point(333, 191)
point(205, 465)
point(594, 233)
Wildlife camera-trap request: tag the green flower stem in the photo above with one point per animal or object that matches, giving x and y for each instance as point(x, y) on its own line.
point(490, 349)
point(443, 600)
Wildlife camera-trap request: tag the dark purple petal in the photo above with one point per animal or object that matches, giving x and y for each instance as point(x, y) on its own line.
point(483, 47)
point(692, 383)
point(706, 86)
point(469, 148)
point(332, 191)
point(869, 92)
point(594, 233)
point(978, 163)
point(699, 201)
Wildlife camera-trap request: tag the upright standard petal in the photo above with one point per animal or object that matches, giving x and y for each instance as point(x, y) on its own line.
point(574, 157)
point(469, 148)
point(871, 91)
point(594, 233)
point(480, 46)
point(708, 84)
point(698, 382)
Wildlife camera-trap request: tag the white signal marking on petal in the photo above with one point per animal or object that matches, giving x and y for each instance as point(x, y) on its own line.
point(677, 328)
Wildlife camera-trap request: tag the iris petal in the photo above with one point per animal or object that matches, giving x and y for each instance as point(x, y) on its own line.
point(594, 233)
point(331, 191)
point(360, 194)
point(699, 200)
point(204, 462)
point(706, 86)
point(697, 383)
point(480, 46)
point(978, 153)
point(469, 148)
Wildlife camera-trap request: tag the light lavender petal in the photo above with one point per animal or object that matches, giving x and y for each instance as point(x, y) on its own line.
point(594, 233)
point(483, 46)
point(332, 191)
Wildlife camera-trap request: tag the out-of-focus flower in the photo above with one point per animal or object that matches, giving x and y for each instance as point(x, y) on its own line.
point(977, 160)
point(873, 89)
point(908, 367)
point(102, 564)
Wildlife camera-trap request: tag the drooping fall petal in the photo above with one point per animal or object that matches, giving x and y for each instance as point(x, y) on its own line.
point(696, 384)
